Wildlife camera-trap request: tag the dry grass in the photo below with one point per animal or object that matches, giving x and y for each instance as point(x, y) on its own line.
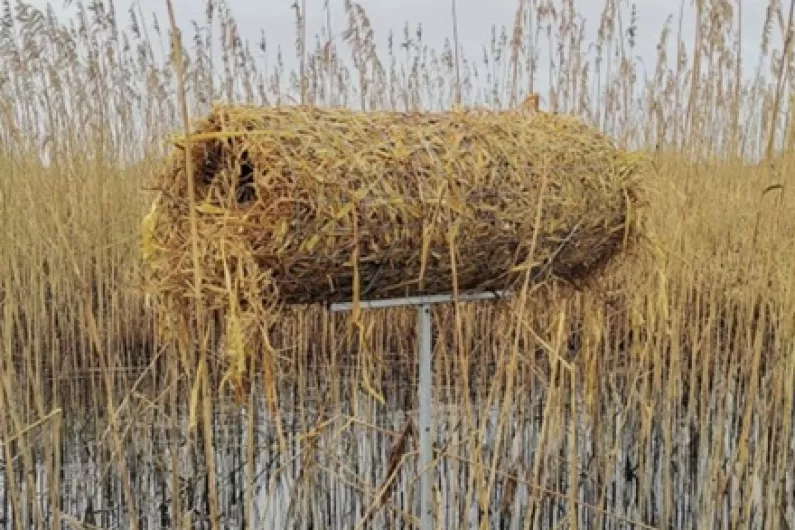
point(304, 205)
point(278, 190)
point(664, 397)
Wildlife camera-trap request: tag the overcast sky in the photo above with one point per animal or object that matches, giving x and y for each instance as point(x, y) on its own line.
point(475, 19)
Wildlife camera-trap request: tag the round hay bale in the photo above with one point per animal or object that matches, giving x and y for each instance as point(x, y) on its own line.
point(294, 202)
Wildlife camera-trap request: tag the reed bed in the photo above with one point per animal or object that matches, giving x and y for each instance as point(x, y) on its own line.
point(661, 397)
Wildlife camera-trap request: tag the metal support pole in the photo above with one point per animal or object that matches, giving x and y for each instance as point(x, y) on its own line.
point(424, 391)
point(426, 403)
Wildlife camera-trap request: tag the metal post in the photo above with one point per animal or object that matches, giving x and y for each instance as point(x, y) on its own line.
point(425, 399)
point(424, 392)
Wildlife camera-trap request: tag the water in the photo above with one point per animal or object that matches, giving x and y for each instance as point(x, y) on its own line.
point(632, 469)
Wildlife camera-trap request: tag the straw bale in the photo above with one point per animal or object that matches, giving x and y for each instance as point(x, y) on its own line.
point(293, 202)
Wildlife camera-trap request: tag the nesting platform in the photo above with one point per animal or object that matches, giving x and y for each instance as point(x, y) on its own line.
point(308, 205)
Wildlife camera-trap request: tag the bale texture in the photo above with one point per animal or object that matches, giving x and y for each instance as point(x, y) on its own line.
point(294, 202)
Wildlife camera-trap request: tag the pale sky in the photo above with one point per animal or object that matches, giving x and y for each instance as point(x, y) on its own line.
point(475, 20)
